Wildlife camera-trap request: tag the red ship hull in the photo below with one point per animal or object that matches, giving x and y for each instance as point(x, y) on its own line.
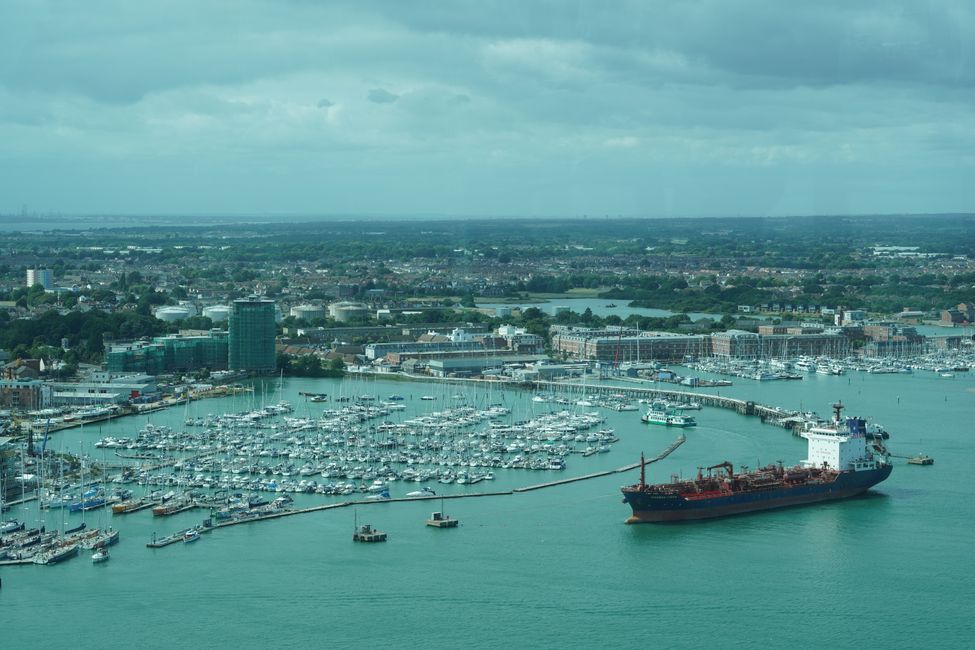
point(653, 506)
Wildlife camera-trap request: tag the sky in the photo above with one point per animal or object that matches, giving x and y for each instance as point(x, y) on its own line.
point(487, 108)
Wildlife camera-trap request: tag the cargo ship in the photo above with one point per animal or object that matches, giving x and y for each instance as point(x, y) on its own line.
point(840, 464)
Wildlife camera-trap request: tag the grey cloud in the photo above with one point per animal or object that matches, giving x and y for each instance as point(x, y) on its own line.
point(756, 42)
point(595, 96)
point(382, 96)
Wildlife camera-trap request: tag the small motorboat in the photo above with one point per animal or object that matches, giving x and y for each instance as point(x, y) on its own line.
point(100, 555)
point(382, 496)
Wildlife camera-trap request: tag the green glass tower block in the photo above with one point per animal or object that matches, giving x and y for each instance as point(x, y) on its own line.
point(252, 332)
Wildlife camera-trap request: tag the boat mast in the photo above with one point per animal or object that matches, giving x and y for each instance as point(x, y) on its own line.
point(837, 409)
point(643, 471)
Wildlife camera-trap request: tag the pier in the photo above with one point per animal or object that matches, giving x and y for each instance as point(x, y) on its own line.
point(741, 406)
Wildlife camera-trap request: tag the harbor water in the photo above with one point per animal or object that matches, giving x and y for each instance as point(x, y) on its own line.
point(551, 568)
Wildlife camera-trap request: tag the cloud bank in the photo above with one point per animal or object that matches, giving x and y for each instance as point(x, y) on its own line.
point(488, 108)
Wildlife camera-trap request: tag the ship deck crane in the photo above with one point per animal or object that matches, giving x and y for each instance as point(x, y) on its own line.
point(726, 465)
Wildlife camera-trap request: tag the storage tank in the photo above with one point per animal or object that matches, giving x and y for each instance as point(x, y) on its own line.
point(345, 311)
point(188, 306)
point(308, 312)
point(217, 313)
point(172, 314)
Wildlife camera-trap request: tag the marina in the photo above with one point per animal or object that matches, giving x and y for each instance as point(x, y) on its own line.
point(511, 509)
point(361, 445)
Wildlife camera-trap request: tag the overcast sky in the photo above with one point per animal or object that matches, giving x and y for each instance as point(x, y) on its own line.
point(487, 108)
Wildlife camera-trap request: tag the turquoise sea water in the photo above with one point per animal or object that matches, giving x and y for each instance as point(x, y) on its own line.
point(555, 568)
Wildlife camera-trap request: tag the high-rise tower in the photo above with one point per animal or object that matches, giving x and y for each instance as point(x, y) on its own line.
point(43, 277)
point(252, 332)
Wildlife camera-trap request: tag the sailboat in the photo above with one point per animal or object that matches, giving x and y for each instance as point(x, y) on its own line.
point(105, 536)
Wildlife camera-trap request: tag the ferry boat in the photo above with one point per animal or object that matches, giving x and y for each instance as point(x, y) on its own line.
point(659, 413)
point(840, 464)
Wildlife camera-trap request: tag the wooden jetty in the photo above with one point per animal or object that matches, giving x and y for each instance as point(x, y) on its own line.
point(180, 535)
point(159, 542)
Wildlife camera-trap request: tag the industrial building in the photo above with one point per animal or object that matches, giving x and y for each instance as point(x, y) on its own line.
point(114, 391)
point(379, 350)
point(473, 366)
point(252, 333)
